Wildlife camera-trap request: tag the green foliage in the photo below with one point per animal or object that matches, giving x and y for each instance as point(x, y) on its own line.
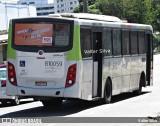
point(92, 7)
point(134, 11)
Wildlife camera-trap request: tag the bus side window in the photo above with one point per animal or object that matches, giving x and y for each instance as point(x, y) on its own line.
point(116, 42)
point(141, 42)
point(125, 42)
point(86, 44)
point(107, 43)
point(134, 46)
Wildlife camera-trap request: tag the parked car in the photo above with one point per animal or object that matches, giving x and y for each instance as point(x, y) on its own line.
point(4, 98)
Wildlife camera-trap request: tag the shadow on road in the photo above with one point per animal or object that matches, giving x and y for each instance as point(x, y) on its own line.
point(126, 96)
point(10, 104)
point(68, 108)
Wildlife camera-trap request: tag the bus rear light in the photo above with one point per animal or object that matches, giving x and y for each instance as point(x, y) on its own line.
point(71, 75)
point(3, 83)
point(11, 74)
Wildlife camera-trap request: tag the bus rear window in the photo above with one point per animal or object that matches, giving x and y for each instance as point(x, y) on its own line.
point(33, 34)
point(46, 34)
point(55, 35)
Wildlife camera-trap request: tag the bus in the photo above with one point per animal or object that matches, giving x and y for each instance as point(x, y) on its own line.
point(78, 56)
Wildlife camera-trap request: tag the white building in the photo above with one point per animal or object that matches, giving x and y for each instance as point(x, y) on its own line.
point(8, 1)
point(10, 11)
point(44, 7)
point(66, 6)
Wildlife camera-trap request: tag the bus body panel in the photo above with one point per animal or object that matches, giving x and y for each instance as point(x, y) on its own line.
point(34, 70)
point(87, 79)
point(134, 83)
point(126, 68)
point(116, 64)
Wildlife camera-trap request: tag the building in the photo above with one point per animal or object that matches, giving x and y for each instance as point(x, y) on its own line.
point(42, 6)
point(66, 6)
point(8, 1)
point(58, 6)
point(8, 12)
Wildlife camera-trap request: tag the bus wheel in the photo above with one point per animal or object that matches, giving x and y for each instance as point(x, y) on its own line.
point(107, 92)
point(52, 104)
point(16, 101)
point(141, 83)
point(4, 102)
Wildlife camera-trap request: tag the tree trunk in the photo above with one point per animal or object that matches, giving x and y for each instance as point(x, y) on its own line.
point(85, 4)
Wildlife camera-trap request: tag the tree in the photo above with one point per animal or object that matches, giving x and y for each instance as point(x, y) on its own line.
point(156, 13)
point(134, 11)
point(92, 8)
point(111, 7)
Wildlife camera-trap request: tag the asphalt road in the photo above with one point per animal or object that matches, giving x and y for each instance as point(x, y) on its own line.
point(124, 105)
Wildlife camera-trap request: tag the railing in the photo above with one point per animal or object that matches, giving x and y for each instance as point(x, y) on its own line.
point(3, 32)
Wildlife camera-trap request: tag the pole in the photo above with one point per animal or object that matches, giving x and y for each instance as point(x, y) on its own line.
point(85, 5)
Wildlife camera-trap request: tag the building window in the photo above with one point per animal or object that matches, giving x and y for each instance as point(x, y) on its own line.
point(134, 47)
point(38, 14)
point(46, 13)
point(51, 8)
point(86, 44)
point(125, 42)
point(107, 41)
point(71, 3)
point(116, 42)
point(38, 8)
point(24, 3)
point(71, 8)
point(51, 13)
point(31, 2)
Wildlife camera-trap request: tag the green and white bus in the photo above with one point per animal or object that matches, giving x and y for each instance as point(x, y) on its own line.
point(77, 56)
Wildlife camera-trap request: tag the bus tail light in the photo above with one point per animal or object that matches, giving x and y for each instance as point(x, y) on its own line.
point(71, 75)
point(3, 83)
point(12, 74)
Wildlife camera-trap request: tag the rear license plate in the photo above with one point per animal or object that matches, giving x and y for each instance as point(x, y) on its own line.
point(41, 83)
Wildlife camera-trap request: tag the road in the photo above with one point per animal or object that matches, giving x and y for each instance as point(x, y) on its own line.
point(124, 105)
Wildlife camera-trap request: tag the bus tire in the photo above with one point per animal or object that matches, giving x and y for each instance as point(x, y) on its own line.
point(107, 92)
point(16, 101)
point(4, 102)
point(141, 84)
point(52, 104)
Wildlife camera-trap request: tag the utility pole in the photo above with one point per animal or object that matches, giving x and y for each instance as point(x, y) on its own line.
point(85, 5)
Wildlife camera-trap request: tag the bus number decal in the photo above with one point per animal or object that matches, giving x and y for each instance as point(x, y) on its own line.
point(53, 63)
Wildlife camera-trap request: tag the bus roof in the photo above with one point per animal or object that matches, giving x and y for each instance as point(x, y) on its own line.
point(87, 19)
point(87, 16)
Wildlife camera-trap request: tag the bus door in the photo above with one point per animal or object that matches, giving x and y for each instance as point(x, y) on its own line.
point(97, 62)
point(149, 56)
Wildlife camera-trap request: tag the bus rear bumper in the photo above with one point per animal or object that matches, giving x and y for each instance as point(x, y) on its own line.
point(69, 92)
